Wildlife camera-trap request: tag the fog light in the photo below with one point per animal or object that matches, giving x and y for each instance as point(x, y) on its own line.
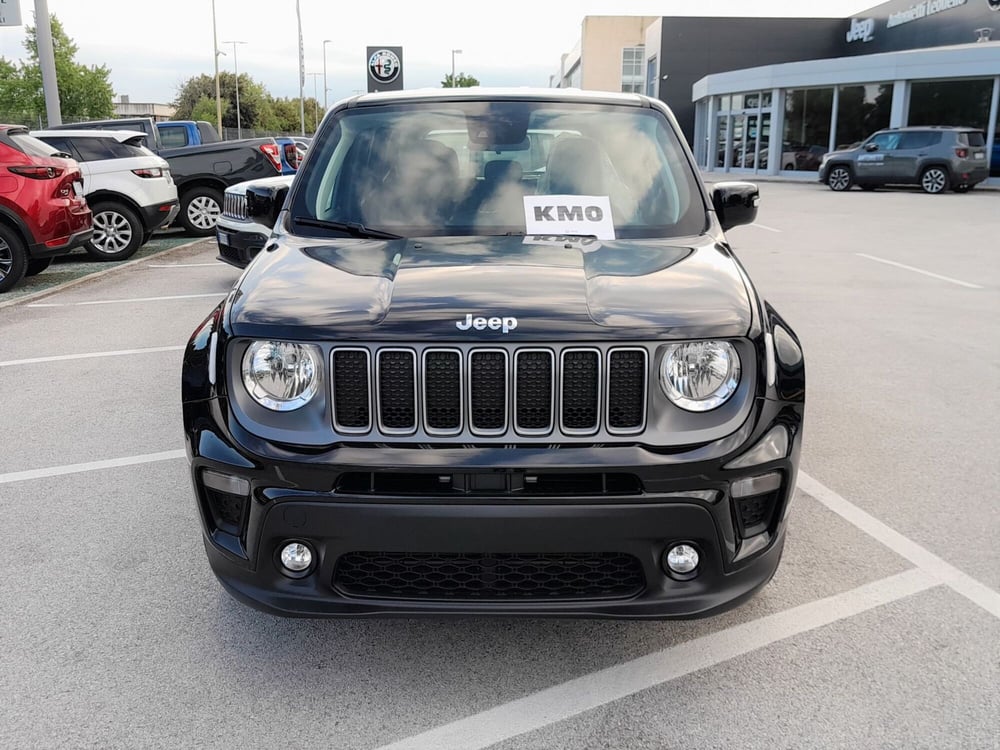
point(296, 557)
point(682, 559)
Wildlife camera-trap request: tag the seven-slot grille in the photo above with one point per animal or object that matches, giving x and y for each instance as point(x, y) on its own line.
point(235, 206)
point(529, 391)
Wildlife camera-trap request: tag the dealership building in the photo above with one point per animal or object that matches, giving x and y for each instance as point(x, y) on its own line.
point(771, 95)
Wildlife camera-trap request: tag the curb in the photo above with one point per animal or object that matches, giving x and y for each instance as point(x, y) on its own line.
point(96, 275)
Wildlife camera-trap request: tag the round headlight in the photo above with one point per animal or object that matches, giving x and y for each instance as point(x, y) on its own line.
point(700, 375)
point(280, 375)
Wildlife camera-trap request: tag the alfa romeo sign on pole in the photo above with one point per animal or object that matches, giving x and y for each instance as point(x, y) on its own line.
point(385, 69)
point(10, 12)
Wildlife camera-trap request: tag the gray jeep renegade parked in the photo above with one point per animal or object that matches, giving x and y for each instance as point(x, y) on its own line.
point(936, 158)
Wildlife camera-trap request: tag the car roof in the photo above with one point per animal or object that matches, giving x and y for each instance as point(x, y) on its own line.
point(477, 93)
point(119, 135)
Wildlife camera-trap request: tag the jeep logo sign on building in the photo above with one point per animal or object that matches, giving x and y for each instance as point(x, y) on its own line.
point(385, 69)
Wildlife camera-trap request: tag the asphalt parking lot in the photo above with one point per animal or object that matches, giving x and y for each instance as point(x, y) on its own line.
point(881, 628)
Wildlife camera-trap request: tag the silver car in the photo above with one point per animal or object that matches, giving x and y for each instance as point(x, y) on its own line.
point(936, 158)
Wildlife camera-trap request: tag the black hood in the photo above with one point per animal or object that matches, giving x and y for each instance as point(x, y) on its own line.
point(415, 289)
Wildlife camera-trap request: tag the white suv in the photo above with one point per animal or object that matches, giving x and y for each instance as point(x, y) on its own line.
point(128, 187)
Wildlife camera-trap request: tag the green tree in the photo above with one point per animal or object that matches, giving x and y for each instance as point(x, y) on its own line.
point(256, 110)
point(85, 92)
point(461, 81)
point(204, 109)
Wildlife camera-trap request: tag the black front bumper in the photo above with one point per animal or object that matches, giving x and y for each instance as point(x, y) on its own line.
point(238, 248)
point(300, 496)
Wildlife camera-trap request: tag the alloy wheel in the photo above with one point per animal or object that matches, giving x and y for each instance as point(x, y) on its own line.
point(203, 212)
point(934, 180)
point(840, 179)
point(112, 232)
point(6, 259)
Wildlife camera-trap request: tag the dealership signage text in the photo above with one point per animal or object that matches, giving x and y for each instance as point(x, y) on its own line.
point(921, 10)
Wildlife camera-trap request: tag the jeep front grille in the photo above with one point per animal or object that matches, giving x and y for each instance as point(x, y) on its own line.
point(235, 207)
point(492, 392)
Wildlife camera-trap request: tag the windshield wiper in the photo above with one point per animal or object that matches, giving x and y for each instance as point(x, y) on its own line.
point(354, 229)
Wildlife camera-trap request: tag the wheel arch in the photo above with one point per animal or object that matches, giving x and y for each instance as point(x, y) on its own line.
point(184, 188)
point(14, 222)
point(112, 197)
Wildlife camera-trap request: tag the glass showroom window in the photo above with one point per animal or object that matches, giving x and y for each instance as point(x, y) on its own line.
point(861, 110)
point(995, 154)
point(651, 77)
point(633, 80)
point(807, 128)
point(951, 103)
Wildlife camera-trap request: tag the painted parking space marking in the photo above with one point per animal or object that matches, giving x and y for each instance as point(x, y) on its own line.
point(920, 270)
point(575, 696)
point(765, 227)
point(126, 301)
point(187, 265)
point(948, 574)
point(111, 463)
point(90, 355)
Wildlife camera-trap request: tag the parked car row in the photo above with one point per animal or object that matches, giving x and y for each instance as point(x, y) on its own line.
point(43, 212)
point(107, 186)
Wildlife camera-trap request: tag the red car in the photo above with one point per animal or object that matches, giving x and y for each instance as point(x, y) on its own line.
point(42, 210)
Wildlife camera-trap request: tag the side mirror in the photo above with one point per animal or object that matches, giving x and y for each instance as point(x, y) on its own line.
point(735, 203)
point(265, 203)
point(871, 147)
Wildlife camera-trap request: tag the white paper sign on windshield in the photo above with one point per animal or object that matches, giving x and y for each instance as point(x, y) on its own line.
point(569, 214)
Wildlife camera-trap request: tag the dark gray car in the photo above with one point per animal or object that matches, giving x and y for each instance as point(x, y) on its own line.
point(936, 158)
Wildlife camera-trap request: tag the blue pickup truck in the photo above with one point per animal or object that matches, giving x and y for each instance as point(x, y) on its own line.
point(181, 133)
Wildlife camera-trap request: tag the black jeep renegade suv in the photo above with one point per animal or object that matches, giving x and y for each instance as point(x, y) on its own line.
point(497, 357)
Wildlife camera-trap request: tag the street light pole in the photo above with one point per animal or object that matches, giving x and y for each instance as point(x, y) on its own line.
point(453, 53)
point(302, 71)
point(47, 62)
point(326, 89)
point(218, 95)
point(236, 65)
point(315, 102)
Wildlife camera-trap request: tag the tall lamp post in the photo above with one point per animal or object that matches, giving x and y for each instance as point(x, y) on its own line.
point(453, 53)
point(236, 64)
point(315, 102)
point(218, 96)
point(302, 70)
point(326, 89)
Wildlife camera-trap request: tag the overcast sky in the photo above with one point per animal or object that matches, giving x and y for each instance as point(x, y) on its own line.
point(153, 47)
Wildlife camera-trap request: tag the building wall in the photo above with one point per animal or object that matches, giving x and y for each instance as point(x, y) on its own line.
point(691, 48)
point(602, 40)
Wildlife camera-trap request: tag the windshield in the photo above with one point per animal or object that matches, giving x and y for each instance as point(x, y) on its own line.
point(488, 168)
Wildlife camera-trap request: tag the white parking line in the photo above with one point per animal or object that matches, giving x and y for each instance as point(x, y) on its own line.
point(765, 226)
point(220, 295)
point(919, 270)
point(217, 264)
point(111, 463)
point(89, 355)
point(924, 559)
point(614, 683)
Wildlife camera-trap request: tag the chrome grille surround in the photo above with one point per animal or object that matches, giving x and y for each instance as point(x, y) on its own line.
point(644, 390)
point(488, 431)
point(351, 429)
point(536, 431)
point(384, 401)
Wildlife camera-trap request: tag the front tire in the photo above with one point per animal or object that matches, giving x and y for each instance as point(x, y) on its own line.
point(13, 259)
point(200, 210)
point(117, 232)
point(934, 180)
point(37, 265)
point(840, 179)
